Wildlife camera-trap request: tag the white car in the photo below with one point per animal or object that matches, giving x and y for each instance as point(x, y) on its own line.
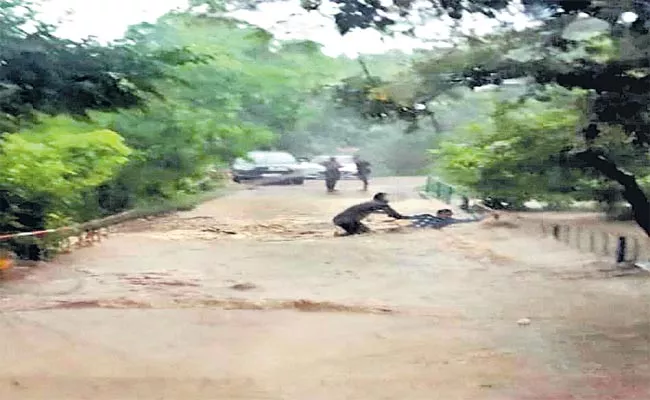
point(348, 169)
point(279, 166)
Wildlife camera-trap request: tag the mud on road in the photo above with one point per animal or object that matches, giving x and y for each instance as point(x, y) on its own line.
point(251, 296)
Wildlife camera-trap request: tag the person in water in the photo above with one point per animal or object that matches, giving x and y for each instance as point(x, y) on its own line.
point(444, 217)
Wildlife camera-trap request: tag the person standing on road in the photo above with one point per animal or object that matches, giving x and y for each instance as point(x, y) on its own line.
point(350, 218)
point(332, 174)
point(363, 170)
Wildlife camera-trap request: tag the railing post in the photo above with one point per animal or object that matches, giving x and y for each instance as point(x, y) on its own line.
point(465, 204)
point(567, 236)
point(621, 249)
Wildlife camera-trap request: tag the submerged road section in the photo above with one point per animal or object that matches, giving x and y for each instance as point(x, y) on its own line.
point(251, 296)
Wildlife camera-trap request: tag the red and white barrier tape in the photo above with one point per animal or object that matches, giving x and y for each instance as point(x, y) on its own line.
point(34, 233)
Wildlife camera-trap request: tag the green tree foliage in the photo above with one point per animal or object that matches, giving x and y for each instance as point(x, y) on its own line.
point(45, 171)
point(523, 151)
point(174, 146)
point(44, 73)
point(246, 96)
point(250, 76)
point(517, 155)
point(60, 160)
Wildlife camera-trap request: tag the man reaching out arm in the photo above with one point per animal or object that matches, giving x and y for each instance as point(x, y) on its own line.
point(350, 219)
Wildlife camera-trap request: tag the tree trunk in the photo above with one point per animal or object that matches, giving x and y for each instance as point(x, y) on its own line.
point(632, 192)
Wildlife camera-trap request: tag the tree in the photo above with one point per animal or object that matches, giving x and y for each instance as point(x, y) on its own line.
point(42, 73)
point(518, 154)
point(246, 78)
point(172, 143)
point(245, 96)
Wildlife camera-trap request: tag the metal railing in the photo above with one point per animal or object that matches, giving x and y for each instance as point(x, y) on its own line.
point(445, 192)
point(622, 247)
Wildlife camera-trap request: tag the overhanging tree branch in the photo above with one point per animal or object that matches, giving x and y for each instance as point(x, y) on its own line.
point(632, 192)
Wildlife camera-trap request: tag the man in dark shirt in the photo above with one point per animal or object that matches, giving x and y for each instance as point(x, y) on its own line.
point(363, 170)
point(350, 219)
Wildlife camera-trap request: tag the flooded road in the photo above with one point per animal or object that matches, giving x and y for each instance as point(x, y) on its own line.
point(251, 296)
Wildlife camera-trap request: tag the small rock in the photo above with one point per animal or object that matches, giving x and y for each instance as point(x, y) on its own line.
point(524, 321)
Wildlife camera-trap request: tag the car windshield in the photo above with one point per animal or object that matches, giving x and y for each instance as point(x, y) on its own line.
point(345, 159)
point(270, 158)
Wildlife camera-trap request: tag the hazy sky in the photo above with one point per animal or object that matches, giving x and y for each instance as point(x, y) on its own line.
point(108, 20)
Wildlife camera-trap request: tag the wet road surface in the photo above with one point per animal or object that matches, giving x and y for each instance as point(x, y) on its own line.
point(251, 296)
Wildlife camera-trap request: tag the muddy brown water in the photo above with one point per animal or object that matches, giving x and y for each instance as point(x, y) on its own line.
point(251, 296)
